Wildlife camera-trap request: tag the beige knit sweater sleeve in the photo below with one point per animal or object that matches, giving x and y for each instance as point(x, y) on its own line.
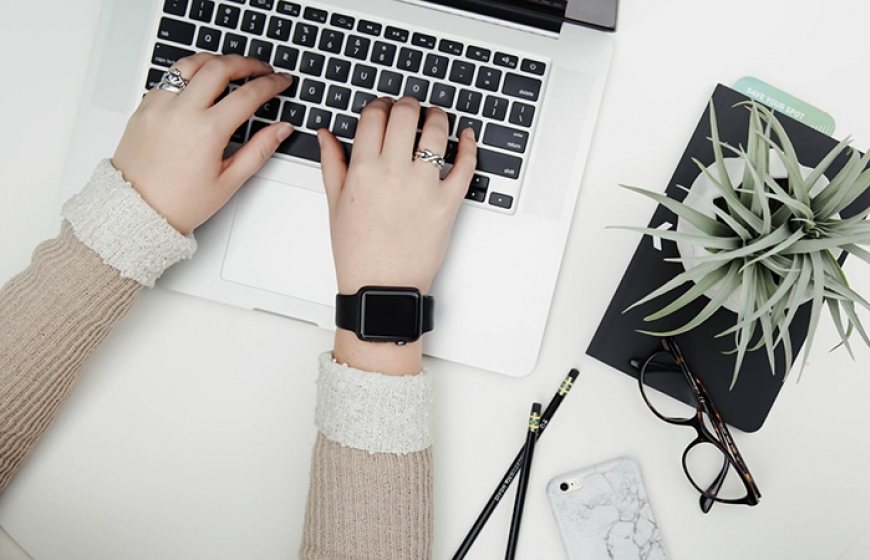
point(371, 486)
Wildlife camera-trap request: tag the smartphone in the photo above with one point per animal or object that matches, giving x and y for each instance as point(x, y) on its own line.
point(603, 513)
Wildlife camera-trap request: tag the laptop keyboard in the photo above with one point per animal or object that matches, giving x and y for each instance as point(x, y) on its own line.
point(342, 61)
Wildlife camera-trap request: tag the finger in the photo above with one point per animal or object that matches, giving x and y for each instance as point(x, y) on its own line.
point(434, 136)
point(241, 104)
point(242, 165)
point(332, 165)
point(457, 181)
point(188, 67)
point(401, 131)
point(369, 138)
point(216, 74)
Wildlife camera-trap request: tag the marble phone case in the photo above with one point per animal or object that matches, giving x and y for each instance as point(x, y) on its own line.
point(604, 514)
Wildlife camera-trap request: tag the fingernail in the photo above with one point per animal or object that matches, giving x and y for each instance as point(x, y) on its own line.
point(470, 132)
point(284, 131)
point(267, 65)
point(286, 75)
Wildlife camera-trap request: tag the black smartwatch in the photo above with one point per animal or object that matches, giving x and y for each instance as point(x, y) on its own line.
point(385, 314)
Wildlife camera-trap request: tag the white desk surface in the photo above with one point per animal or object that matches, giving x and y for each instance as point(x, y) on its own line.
point(160, 410)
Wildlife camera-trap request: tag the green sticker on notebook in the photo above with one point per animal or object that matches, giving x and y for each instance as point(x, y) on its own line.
point(786, 104)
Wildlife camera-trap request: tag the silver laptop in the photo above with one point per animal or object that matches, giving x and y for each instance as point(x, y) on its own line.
point(527, 75)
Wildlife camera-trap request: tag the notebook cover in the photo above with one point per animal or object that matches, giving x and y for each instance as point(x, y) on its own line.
point(617, 341)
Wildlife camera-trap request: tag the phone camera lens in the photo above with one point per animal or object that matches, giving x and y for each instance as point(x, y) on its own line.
point(564, 487)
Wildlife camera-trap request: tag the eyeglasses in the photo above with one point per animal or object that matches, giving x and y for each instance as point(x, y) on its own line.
point(711, 462)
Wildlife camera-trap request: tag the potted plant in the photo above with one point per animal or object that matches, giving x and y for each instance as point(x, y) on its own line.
point(760, 234)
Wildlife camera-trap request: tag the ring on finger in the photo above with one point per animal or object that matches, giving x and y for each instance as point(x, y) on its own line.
point(172, 81)
point(427, 155)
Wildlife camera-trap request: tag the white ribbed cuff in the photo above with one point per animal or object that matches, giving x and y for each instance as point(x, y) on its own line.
point(111, 218)
point(374, 412)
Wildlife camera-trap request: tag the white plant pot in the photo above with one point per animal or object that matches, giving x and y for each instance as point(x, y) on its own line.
point(701, 196)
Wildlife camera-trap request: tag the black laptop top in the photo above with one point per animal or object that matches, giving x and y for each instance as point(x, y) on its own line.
point(545, 14)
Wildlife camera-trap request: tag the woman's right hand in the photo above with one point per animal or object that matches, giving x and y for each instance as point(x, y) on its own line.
point(391, 216)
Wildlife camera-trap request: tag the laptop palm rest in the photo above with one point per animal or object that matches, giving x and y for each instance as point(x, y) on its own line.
point(280, 242)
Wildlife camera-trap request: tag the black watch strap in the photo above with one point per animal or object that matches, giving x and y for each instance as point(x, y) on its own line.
point(347, 312)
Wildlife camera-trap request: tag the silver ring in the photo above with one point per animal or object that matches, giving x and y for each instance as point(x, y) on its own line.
point(172, 81)
point(429, 156)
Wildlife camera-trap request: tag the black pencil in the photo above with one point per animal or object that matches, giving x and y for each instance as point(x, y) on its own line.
point(525, 472)
point(515, 467)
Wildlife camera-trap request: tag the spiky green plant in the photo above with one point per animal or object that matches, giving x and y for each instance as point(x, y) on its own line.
point(775, 246)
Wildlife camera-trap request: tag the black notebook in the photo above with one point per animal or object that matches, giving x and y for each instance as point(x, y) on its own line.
point(617, 341)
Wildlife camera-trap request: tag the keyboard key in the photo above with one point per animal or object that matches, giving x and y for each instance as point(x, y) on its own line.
point(318, 118)
point(396, 34)
point(495, 108)
point(269, 110)
point(261, 50)
point(369, 27)
point(506, 60)
point(533, 67)
point(451, 122)
point(461, 72)
point(497, 163)
point(442, 95)
point(501, 200)
point(262, 4)
point(341, 20)
point(477, 195)
point(479, 182)
point(338, 70)
point(345, 126)
point(279, 28)
point(521, 86)
point(452, 47)
point(302, 145)
point(436, 66)
point(315, 14)
point(506, 138)
point(176, 31)
point(410, 59)
point(312, 63)
point(240, 135)
point(202, 10)
point(390, 82)
point(289, 8)
point(175, 7)
point(254, 22)
point(154, 76)
point(417, 88)
point(488, 78)
point(383, 53)
point(209, 39)
point(474, 124)
point(167, 55)
point(469, 101)
point(228, 16)
point(305, 35)
point(338, 97)
point(451, 151)
point(238, 1)
point(423, 40)
point(286, 57)
point(478, 53)
point(331, 41)
point(292, 89)
point(312, 90)
point(360, 100)
point(363, 76)
point(357, 47)
point(522, 114)
point(235, 44)
point(293, 113)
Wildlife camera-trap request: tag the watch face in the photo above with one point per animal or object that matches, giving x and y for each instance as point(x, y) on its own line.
point(390, 315)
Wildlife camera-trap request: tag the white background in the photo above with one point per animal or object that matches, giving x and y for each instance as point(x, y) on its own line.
point(227, 394)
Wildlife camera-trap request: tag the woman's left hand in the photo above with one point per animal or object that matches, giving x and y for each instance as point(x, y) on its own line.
point(173, 148)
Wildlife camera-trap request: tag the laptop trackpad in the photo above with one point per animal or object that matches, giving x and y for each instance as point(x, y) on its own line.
point(280, 242)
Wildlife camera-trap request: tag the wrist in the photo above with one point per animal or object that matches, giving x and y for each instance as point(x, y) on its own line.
point(381, 357)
